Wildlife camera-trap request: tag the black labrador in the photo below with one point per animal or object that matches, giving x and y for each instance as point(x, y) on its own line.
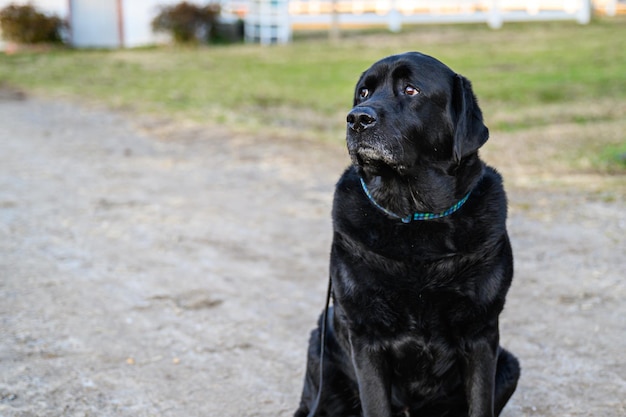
point(420, 261)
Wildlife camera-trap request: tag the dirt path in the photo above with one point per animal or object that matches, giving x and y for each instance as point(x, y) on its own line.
point(142, 275)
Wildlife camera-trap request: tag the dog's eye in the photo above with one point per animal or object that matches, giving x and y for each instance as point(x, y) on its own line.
point(409, 90)
point(364, 92)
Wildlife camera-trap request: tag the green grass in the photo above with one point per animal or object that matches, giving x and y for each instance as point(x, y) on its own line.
point(611, 158)
point(305, 88)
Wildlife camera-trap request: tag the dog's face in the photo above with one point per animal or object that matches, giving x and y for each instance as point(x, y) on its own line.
point(411, 110)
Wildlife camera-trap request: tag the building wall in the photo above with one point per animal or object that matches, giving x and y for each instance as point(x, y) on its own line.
point(115, 23)
point(95, 23)
point(138, 16)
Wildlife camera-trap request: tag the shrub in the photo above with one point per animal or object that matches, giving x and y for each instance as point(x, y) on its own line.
point(24, 24)
point(188, 22)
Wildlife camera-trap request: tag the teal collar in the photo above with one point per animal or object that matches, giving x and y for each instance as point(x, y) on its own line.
point(415, 216)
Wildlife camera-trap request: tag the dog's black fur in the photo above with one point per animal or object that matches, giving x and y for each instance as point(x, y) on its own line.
point(413, 330)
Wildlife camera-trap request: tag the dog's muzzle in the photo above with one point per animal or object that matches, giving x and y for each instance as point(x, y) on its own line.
point(368, 147)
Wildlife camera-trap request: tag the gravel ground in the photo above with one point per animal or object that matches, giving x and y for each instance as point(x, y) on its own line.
point(148, 269)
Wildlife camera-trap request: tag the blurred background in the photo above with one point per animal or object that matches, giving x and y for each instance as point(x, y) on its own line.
point(166, 177)
point(534, 64)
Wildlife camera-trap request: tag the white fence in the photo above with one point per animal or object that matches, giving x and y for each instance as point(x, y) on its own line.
point(268, 21)
point(395, 13)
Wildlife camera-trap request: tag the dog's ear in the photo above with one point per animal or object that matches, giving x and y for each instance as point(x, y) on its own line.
point(470, 132)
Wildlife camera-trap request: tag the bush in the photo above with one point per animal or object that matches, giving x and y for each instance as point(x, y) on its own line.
point(188, 22)
point(24, 24)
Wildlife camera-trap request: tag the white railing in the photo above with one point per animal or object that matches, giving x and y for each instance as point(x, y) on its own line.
point(272, 21)
point(395, 13)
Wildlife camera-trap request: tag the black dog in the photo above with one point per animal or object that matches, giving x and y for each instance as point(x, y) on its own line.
point(420, 262)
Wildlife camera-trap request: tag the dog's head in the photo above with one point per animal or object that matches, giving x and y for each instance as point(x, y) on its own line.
point(411, 110)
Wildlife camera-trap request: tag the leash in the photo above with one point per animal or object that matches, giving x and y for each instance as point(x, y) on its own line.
point(316, 403)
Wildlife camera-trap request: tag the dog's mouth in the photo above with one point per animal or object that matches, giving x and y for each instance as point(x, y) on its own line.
point(373, 152)
point(375, 161)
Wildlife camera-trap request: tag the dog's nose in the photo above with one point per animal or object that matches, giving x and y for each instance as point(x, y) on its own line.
point(361, 118)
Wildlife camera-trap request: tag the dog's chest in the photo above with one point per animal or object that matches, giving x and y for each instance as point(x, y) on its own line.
point(420, 329)
point(420, 308)
point(417, 313)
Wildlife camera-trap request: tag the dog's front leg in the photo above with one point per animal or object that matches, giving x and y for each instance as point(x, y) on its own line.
point(480, 373)
point(374, 379)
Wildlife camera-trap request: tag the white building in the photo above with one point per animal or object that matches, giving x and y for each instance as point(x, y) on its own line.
point(113, 23)
point(105, 23)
